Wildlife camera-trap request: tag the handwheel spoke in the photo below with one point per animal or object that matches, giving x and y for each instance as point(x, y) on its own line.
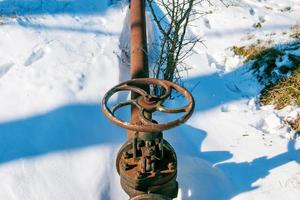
point(122, 104)
point(167, 88)
point(163, 109)
point(165, 93)
point(144, 119)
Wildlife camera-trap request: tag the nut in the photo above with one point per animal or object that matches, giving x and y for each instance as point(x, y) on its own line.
point(139, 175)
point(126, 166)
point(126, 155)
point(171, 166)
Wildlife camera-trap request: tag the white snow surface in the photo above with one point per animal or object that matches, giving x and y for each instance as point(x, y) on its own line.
point(57, 60)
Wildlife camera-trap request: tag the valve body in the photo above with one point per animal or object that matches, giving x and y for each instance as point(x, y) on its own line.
point(148, 166)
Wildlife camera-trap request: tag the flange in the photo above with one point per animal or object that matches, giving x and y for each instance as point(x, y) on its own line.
point(151, 169)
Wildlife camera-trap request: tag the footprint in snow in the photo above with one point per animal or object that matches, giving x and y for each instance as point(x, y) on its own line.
point(214, 63)
point(231, 86)
point(206, 23)
point(35, 56)
point(262, 19)
point(5, 68)
point(251, 11)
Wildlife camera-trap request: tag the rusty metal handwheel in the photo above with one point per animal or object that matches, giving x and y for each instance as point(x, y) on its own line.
point(147, 103)
point(151, 197)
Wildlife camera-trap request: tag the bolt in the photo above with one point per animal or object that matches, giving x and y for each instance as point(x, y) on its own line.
point(153, 166)
point(157, 141)
point(157, 173)
point(161, 148)
point(126, 166)
point(139, 145)
point(135, 145)
point(143, 164)
point(148, 144)
point(171, 166)
point(153, 158)
point(126, 155)
point(148, 165)
point(152, 143)
point(139, 175)
point(151, 151)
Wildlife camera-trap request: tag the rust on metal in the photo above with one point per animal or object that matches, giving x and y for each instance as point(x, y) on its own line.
point(147, 103)
point(151, 197)
point(138, 53)
point(147, 163)
point(138, 38)
point(153, 170)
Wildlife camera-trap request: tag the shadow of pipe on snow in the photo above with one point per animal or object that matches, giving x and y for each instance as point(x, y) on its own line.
point(197, 176)
point(201, 175)
point(66, 128)
point(205, 175)
point(244, 174)
point(60, 28)
point(78, 126)
point(20, 9)
point(38, 7)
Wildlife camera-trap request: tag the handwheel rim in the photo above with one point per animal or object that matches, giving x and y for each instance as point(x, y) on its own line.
point(147, 125)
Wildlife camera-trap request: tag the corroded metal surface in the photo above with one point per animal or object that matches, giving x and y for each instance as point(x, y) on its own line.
point(147, 163)
point(148, 103)
point(138, 51)
point(151, 197)
point(148, 167)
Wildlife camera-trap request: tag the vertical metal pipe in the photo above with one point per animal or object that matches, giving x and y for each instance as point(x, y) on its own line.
point(138, 53)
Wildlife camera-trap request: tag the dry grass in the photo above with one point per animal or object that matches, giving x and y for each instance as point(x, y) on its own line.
point(295, 31)
point(281, 89)
point(249, 52)
point(265, 63)
point(4, 19)
point(257, 25)
point(295, 125)
point(283, 93)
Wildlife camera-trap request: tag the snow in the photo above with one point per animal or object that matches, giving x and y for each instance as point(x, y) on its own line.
point(58, 58)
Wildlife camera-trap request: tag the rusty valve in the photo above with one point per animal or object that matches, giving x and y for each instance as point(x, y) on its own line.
point(147, 163)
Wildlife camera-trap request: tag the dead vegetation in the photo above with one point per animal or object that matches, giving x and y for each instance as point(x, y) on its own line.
point(257, 25)
point(173, 46)
point(282, 81)
point(252, 51)
point(283, 93)
point(248, 52)
point(5, 19)
point(264, 64)
point(295, 31)
point(294, 124)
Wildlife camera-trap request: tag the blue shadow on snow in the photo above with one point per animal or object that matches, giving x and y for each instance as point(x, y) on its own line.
point(79, 126)
point(21, 9)
point(37, 7)
point(66, 128)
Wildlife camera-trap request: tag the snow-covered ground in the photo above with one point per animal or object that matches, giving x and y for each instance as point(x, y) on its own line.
point(57, 60)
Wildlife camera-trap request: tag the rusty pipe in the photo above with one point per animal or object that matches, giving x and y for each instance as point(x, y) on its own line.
point(138, 52)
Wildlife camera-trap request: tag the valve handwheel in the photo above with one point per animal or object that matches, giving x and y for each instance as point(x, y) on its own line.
point(148, 103)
